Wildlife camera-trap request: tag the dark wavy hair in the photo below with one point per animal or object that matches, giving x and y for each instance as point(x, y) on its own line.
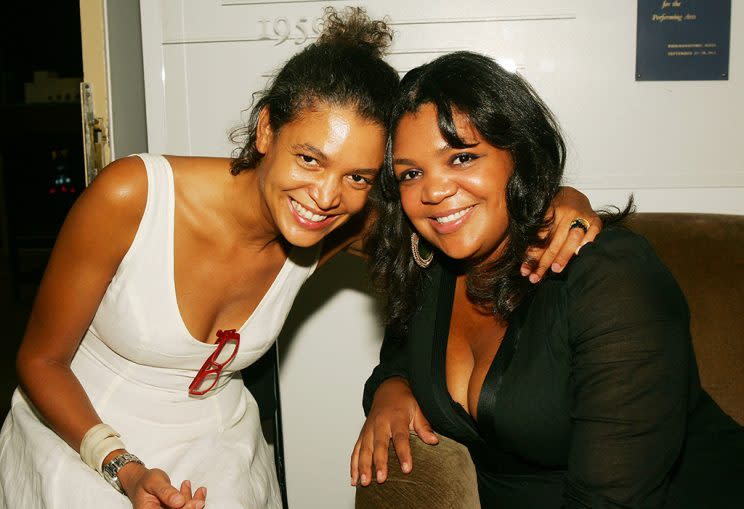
point(343, 67)
point(507, 113)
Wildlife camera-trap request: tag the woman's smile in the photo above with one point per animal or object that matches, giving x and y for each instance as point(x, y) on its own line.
point(452, 220)
point(307, 218)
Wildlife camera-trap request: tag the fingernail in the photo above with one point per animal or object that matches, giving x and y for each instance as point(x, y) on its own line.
point(406, 467)
point(534, 278)
point(379, 476)
point(556, 267)
point(199, 504)
point(524, 271)
point(364, 480)
point(178, 499)
point(353, 481)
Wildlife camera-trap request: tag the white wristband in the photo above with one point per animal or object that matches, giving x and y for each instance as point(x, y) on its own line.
point(104, 448)
point(98, 442)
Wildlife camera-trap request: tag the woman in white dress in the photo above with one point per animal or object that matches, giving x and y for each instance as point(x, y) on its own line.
point(163, 261)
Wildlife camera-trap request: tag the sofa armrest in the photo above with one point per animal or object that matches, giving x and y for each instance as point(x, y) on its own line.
point(443, 476)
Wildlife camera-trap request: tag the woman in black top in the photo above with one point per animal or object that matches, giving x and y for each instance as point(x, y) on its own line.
point(581, 391)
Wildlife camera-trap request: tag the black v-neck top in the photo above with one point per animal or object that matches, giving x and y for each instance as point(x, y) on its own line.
point(593, 398)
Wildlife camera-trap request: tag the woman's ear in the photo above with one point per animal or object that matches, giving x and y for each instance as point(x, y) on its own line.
point(264, 132)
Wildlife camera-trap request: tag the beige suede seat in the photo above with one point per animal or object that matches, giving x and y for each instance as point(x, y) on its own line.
point(443, 477)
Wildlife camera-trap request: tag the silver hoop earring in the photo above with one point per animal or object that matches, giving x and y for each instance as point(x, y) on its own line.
point(420, 260)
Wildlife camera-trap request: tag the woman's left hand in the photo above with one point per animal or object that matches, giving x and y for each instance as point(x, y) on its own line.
point(565, 242)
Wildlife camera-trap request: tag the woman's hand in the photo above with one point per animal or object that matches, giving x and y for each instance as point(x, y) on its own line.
point(565, 241)
point(150, 488)
point(394, 414)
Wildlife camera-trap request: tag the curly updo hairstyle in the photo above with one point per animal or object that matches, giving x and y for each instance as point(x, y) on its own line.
point(342, 67)
point(508, 114)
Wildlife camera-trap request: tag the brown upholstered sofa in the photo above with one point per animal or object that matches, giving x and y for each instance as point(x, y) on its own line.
point(705, 252)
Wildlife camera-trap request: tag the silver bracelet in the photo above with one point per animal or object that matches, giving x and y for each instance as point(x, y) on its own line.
point(111, 469)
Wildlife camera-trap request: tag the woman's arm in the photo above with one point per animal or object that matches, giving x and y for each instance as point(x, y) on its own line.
point(91, 244)
point(85, 257)
point(392, 412)
point(393, 415)
point(630, 372)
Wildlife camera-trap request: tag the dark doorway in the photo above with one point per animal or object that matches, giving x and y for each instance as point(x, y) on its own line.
point(41, 164)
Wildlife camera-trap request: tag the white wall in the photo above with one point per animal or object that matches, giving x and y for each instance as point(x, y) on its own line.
point(327, 349)
point(675, 144)
point(128, 128)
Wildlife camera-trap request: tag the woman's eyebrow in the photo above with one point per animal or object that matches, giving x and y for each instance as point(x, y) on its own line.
point(304, 147)
point(367, 172)
point(319, 155)
point(403, 160)
point(442, 149)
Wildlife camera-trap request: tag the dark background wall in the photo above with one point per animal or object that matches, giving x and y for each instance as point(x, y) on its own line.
point(40, 149)
point(38, 36)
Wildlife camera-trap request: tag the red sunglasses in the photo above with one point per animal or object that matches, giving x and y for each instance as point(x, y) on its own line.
point(207, 377)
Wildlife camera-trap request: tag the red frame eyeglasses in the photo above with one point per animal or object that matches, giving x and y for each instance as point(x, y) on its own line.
point(211, 367)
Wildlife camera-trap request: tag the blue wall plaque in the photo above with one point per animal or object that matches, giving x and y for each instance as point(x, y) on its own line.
point(683, 40)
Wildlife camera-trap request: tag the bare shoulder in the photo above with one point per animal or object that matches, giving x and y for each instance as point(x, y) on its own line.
point(197, 164)
point(195, 177)
point(109, 211)
point(121, 185)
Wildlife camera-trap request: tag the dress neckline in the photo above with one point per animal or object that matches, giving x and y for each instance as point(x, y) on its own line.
point(281, 275)
point(496, 370)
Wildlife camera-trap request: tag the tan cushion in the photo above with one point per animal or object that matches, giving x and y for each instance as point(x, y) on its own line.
point(705, 252)
point(431, 484)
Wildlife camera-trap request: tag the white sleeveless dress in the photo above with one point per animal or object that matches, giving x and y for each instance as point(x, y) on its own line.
point(136, 362)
